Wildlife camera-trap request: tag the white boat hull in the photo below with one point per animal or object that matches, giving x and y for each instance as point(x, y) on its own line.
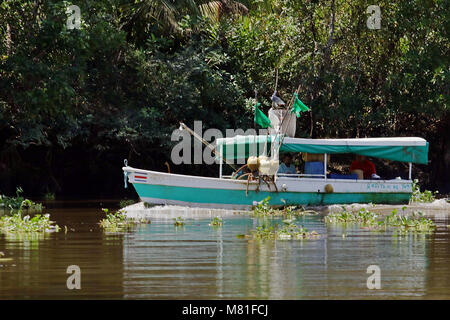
point(205, 192)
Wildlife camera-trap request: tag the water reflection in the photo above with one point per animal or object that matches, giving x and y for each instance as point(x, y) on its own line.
point(437, 269)
point(203, 263)
point(38, 268)
point(159, 261)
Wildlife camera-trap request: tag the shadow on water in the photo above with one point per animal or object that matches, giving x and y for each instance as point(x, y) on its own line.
point(197, 261)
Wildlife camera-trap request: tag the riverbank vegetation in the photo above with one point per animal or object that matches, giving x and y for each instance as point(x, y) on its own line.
point(416, 222)
point(75, 102)
point(12, 205)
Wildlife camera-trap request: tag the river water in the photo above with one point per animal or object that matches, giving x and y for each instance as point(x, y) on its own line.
point(159, 261)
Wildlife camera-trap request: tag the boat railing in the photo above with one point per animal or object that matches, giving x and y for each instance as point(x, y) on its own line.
point(298, 175)
point(290, 175)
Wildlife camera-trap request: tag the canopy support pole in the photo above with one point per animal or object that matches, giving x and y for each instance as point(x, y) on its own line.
point(325, 166)
point(410, 171)
point(221, 161)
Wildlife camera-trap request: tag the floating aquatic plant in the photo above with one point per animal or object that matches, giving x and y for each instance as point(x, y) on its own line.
point(415, 222)
point(216, 222)
point(119, 222)
point(418, 196)
point(178, 222)
point(18, 224)
point(288, 230)
point(264, 209)
point(362, 216)
point(14, 223)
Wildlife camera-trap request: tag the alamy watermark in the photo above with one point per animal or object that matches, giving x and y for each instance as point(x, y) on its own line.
point(182, 152)
point(74, 280)
point(74, 18)
point(374, 280)
point(374, 20)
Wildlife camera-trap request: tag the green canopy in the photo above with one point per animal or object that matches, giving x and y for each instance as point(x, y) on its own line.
point(242, 147)
point(404, 149)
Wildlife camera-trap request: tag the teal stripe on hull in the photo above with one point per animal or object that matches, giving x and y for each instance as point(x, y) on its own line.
point(238, 197)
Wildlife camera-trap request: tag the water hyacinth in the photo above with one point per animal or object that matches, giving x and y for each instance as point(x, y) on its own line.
point(264, 209)
point(418, 196)
point(362, 216)
point(216, 222)
point(178, 222)
point(18, 224)
point(14, 223)
point(118, 221)
point(416, 222)
point(288, 231)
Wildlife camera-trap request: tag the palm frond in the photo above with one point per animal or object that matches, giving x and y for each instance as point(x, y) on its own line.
point(218, 8)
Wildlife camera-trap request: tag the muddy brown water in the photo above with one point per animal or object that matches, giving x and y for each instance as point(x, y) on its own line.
point(159, 261)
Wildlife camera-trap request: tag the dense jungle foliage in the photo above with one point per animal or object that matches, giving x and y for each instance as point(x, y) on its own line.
point(75, 102)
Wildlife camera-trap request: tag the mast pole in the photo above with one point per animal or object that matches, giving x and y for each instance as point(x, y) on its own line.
point(254, 153)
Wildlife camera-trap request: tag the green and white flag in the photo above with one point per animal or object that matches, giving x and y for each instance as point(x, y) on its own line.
point(261, 118)
point(298, 106)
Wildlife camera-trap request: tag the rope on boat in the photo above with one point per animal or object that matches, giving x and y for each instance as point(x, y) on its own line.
point(125, 178)
point(270, 180)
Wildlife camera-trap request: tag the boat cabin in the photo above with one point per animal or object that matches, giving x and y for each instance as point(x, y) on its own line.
point(403, 149)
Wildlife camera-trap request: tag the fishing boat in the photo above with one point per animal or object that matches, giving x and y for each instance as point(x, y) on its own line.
point(228, 192)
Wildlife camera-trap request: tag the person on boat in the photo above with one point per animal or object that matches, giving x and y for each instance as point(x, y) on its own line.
point(366, 166)
point(286, 166)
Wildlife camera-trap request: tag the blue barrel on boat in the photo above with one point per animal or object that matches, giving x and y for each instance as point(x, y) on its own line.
point(313, 167)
